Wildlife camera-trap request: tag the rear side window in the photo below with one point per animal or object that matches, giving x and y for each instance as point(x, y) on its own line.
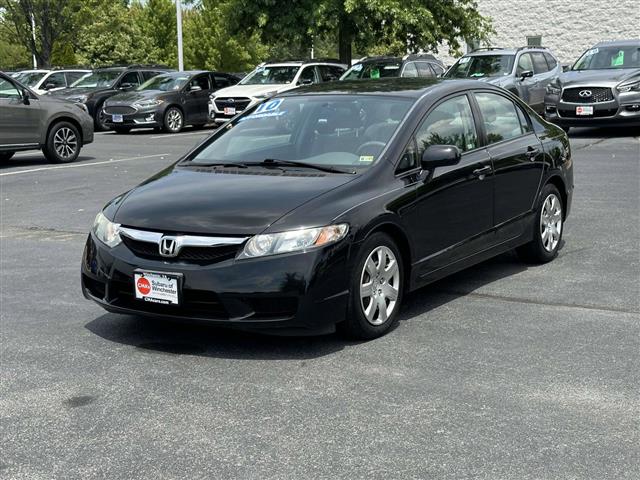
point(524, 64)
point(450, 123)
point(149, 74)
point(424, 70)
point(437, 69)
point(500, 116)
point(410, 70)
point(74, 76)
point(539, 63)
point(551, 61)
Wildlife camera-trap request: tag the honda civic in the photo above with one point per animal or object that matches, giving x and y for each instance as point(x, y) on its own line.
point(320, 208)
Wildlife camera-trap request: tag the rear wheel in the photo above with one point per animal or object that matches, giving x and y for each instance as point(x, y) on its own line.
point(4, 156)
point(547, 228)
point(173, 120)
point(63, 143)
point(377, 285)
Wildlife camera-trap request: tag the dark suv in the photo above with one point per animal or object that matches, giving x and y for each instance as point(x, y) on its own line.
point(413, 65)
point(95, 87)
point(524, 71)
point(41, 122)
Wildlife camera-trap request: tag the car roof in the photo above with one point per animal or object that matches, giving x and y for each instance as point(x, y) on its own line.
point(400, 87)
point(619, 43)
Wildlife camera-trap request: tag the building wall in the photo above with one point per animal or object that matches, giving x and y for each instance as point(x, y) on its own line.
point(568, 27)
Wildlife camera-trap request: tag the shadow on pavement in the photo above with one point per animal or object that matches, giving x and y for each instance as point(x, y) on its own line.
point(605, 132)
point(36, 159)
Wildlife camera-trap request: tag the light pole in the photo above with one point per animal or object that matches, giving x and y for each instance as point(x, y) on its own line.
point(179, 24)
point(33, 35)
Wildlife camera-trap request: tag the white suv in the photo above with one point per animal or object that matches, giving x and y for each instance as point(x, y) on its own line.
point(267, 80)
point(43, 81)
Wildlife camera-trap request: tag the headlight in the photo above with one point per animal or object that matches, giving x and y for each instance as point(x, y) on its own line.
point(554, 89)
point(106, 231)
point(628, 87)
point(82, 107)
point(293, 240)
point(78, 98)
point(147, 103)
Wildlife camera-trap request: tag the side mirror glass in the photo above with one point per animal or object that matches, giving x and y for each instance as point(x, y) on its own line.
point(526, 74)
point(127, 86)
point(195, 88)
point(440, 156)
point(566, 68)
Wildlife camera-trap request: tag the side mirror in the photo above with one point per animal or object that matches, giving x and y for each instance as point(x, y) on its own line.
point(306, 81)
point(526, 74)
point(566, 68)
point(49, 85)
point(127, 86)
point(195, 88)
point(25, 96)
point(440, 156)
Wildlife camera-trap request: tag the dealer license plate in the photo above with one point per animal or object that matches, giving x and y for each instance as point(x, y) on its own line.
point(157, 287)
point(116, 118)
point(229, 110)
point(584, 110)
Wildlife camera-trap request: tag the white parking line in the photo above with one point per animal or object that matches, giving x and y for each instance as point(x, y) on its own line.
point(57, 167)
point(174, 135)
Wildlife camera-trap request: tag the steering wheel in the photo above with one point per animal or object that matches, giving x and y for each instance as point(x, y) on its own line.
point(373, 143)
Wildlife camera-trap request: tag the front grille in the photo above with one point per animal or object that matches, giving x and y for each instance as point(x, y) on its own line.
point(571, 113)
point(240, 103)
point(119, 110)
point(598, 95)
point(194, 303)
point(188, 254)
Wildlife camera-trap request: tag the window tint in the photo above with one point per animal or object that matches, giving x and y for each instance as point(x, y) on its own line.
point(551, 61)
point(524, 64)
point(424, 70)
point(539, 63)
point(222, 82)
point(330, 73)
point(500, 117)
point(437, 69)
point(131, 78)
point(524, 122)
point(307, 75)
point(409, 159)
point(56, 79)
point(410, 70)
point(74, 76)
point(149, 74)
point(201, 81)
point(450, 123)
point(8, 89)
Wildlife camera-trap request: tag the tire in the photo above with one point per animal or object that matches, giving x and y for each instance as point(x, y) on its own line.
point(173, 120)
point(122, 129)
point(547, 228)
point(4, 156)
point(99, 120)
point(364, 318)
point(63, 143)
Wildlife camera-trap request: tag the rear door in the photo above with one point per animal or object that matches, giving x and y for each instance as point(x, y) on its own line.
point(19, 123)
point(543, 77)
point(517, 158)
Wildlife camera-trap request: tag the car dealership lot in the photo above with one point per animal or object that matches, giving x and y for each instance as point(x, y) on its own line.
point(501, 371)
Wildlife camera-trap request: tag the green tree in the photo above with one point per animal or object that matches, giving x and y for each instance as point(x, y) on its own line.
point(396, 26)
point(157, 22)
point(12, 54)
point(63, 54)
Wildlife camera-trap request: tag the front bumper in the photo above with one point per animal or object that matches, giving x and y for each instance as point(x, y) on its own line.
point(146, 118)
point(623, 110)
point(218, 115)
point(301, 293)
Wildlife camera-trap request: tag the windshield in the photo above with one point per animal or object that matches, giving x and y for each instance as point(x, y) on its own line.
point(336, 130)
point(373, 70)
point(30, 79)
point(270, 75)
point(165, 83)
point(609, 57)
point(481, 66)
point(98, 79)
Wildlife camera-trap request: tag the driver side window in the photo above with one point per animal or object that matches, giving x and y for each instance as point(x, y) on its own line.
point(130, 78)
point(524, 64)
point(307, 75)
point(450, 123)
point(8, 89)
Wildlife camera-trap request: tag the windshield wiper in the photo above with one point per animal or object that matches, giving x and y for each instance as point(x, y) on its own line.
point(268, 162)
point(214, 164)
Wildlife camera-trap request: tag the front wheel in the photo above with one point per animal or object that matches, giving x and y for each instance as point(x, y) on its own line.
point(377, 286)
point(4, 156)
point(173, 120)
point(63, 143)
point(100, 120)
point(547, 228)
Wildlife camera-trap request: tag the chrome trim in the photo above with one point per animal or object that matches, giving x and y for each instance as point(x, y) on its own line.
point(181, 240)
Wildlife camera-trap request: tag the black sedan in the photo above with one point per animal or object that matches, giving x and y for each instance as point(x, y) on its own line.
point(169, 101)
point(323, 206)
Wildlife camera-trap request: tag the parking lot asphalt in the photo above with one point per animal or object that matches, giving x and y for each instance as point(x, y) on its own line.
point(503, 371)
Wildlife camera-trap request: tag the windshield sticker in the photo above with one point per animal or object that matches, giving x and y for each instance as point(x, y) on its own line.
point(618, 59)
point(270, 106)
point(375, 73)
point(366, 158)
point(357, 67)
point(593, 51)
point(256, 116)
point(392, 67)
point(464, 60)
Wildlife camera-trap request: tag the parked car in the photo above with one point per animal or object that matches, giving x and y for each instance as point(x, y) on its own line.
point(33, 122)
point(168, 101)
point(95, 87)
point(267, 80)
point(324, 205)
point(524, 71)
point(414, 65)
point(601, 89)
point(43, 81)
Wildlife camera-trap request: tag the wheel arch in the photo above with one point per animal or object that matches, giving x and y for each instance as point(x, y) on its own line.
point(60, 119)
point(558, 182)
point(399, 236)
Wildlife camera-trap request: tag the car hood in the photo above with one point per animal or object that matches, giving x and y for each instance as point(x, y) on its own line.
point(221, 201)
point(252, 90)
point(127, 98)
point(609, 76)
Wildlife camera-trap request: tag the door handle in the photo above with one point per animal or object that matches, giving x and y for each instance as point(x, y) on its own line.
point(481, 172)
point(532, 153)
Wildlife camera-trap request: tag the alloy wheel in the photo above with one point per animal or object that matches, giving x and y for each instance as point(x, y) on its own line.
point(379, 285)
point(551, 222)
point(174, 120)
point(65, 142)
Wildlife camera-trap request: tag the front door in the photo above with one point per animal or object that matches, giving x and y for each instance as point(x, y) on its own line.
point(19, 122)
point(197, 99)
point(453, 214)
